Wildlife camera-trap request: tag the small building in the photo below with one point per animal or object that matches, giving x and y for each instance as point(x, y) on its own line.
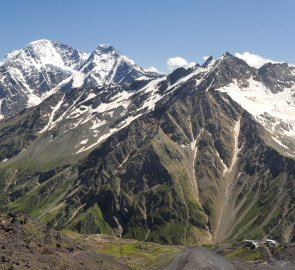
point(251, 243)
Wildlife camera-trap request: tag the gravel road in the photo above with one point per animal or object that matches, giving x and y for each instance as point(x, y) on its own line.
point(199, 259)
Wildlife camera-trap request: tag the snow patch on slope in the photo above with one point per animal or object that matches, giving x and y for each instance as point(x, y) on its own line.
point(1, 116)
point(51, 123)
point(274, 111)
point(124, 99)
point(78, 79)
point(258, 100)
point(236, 144)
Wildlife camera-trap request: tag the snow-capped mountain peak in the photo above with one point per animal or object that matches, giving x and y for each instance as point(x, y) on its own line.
point(39, 41)
point(107, 65)
point(209, 61)
point(41, 53)
point(105, 48)
point(29, 75)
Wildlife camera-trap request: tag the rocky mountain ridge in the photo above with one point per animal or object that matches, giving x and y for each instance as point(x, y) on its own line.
point(183, 159)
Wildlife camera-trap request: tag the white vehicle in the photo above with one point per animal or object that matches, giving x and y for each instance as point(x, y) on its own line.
point(271, 242)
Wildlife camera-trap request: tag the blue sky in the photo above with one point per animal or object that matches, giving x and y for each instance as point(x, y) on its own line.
point(152, 31)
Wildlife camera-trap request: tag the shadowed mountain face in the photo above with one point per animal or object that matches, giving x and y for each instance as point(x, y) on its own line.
point(185, 158)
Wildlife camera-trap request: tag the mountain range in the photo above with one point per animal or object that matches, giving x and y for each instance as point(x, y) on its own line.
point(30, 75)
point(94, 143)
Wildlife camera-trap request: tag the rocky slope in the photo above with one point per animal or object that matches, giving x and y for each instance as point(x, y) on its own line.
point(184, 158)
point(25, 244)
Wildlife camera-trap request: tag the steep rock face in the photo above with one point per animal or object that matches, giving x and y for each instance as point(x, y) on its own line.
point(277, 77)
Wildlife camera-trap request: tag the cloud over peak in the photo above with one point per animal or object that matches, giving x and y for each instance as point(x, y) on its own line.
point(254, 60)
point(177, 62)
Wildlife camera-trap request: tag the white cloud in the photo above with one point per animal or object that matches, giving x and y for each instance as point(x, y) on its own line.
point(151, 69)
point(205, 57)
point(253, 60)
point(176, 62)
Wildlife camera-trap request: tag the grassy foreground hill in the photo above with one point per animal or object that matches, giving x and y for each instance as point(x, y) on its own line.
point(135, 254)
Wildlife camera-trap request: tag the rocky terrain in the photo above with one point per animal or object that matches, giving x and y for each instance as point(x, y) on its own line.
point(25, 244)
